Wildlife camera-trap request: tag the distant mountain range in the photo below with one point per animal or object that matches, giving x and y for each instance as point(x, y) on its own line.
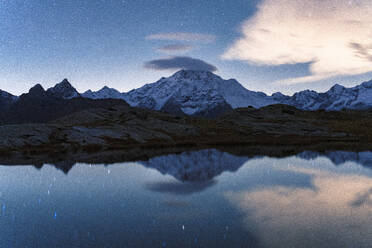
point(335, 99)
point(39, 105)
point(197, 93)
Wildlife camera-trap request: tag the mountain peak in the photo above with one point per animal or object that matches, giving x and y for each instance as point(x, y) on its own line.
point(108, 89)
point(65, 81)
point(194, 74)
point(63, 84)
point(104, 93)
point(36, 91)
point(64, 90)
point(279, 96)
point(337, 88)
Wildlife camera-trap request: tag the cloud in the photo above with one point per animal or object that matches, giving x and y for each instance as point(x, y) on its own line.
point(177, 188)
point(177, 62)
point(175, 48)
point(362, 50)
point(364, 198)
point(280, 215)
point(190, 37)
point(333, 36)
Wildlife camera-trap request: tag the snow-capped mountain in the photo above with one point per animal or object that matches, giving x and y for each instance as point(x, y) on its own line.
point(63, 90)
point(195, 89)
point(337, 98)
point(189, 92)
point(103, 93)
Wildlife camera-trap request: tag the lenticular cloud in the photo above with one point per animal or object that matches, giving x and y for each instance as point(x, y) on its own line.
point(334, 35)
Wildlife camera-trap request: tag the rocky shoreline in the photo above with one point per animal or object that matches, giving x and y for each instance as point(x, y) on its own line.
point(122, 133)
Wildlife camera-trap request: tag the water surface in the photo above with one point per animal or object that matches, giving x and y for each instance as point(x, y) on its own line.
point(194, 199)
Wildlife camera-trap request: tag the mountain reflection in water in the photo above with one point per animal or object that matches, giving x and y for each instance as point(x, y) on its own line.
point(204, 165)
point(202, 198)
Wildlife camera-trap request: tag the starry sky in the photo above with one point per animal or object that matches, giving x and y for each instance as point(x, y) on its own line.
point(267, 45)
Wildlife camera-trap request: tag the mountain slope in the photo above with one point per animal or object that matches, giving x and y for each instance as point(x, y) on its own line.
point(6, 99)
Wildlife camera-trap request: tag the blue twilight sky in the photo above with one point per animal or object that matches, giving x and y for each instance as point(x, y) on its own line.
point(267, 45)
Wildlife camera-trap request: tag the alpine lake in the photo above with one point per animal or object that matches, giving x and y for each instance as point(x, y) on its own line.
point(205, 198)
